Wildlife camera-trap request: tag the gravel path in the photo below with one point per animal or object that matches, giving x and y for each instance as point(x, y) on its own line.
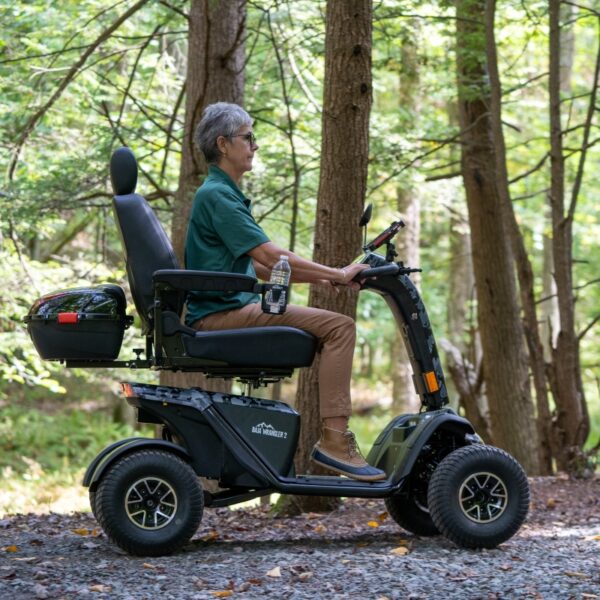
point(355, 552)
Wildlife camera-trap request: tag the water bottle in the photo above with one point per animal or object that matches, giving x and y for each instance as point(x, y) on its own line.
point(276, 297)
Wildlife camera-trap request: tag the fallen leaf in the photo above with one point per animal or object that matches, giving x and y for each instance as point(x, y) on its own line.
point(585, 595)
point(148, 566)
point(305, 576)
point(255, 581)
point(345, 561)
point(320, 528)
point(550, 503)
point(400, 550)
point(26, 558)
point(81, 531)
point(100, 587)
point(276, 572)
point(373, 524)
point(222, 594)
point(243, 587)
point(576, 574)
point(211, 536)
point(505, 567)
point(383, 516)
point(11, 549)
point(591, 538)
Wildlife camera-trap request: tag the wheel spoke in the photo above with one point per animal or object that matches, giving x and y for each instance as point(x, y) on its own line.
point(151, 503)
point(483, 497)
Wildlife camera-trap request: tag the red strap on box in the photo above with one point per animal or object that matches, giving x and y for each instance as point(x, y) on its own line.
point(68, 317)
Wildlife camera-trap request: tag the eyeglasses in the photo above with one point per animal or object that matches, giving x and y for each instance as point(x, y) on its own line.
point(249, 137)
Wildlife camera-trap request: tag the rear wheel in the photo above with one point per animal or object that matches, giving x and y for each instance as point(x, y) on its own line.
point(149, 503)
point(478, 496)
point(411, 514)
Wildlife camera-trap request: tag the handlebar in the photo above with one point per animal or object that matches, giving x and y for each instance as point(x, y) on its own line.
point(377, 271)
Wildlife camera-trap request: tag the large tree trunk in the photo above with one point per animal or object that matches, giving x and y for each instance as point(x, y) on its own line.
point(572, 420)
point(504, 357)
point(523, 264)
point(215, 72)
point(342, 187)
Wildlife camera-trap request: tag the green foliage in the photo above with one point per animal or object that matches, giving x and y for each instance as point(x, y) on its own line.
point(43, 455)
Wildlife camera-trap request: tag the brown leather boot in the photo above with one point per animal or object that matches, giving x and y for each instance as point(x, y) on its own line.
point(338, 451)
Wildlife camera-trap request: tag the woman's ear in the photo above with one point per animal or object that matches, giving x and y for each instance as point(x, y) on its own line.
point(222, 145)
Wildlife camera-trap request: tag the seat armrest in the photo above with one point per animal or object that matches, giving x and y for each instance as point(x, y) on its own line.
point(204, 281)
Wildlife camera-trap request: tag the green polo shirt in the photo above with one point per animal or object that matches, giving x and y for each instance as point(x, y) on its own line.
point(220, 233)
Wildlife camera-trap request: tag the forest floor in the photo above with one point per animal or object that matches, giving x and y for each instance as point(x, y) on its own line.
point(356, 551)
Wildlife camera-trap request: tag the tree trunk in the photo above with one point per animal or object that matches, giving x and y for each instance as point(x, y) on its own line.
point(215, 72)
point(342, 187)
point(523, 264)
point(572, 420)
point(404, 396)
point(504, 357)
point(464, 358)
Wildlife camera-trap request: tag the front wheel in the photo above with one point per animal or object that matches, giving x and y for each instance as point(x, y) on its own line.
point(149, 503)
point(478, 496)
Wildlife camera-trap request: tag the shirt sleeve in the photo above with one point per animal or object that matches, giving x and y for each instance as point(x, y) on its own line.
point(234, 224)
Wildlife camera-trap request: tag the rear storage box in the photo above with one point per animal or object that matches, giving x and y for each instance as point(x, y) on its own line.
point(79, 324)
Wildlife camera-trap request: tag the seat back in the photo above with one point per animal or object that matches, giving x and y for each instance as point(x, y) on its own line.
point(145, 244)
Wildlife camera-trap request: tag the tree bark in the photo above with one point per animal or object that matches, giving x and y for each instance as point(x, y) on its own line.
point(523, 264)
point(342, 188)
point(572, 420)
point(215, 73)
point(504, 357)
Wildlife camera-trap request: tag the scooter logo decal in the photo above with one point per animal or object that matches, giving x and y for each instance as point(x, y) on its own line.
point(268, 429)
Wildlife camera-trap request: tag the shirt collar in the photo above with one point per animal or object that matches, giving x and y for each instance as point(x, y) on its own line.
point(218, 173)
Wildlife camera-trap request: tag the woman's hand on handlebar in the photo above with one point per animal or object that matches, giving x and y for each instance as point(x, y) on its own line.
point(349, 273)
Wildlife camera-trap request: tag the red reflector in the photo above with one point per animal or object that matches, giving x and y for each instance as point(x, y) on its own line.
point(71, 317)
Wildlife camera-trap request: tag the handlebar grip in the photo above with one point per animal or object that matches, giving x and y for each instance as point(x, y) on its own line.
point(377, 271)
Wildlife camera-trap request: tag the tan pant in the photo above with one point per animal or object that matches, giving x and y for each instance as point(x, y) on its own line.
point(336, 334)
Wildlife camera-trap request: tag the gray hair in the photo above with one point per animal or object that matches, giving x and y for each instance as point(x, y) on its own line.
point(221, 118)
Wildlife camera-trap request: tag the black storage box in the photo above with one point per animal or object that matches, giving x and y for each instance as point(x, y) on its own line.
point(79, 324)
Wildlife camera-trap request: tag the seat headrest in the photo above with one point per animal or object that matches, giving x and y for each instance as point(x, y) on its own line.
point(123, 171)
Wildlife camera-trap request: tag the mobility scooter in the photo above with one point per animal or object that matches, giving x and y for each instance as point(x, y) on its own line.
point(146, 493)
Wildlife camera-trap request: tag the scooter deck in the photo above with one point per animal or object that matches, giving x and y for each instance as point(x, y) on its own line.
point(335, 485)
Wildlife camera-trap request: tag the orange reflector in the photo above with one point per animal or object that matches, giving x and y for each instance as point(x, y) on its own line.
point(431, 381)
point(128, 390)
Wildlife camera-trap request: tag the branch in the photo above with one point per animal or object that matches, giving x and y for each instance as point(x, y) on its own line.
point(170, 129)
point(539, 165)
point(581, 335)
point(124, 143)
point(175, 9)
point(30, 126)
point(134, 69)
point(586, 136)
point(591, 10)
point(444, 176)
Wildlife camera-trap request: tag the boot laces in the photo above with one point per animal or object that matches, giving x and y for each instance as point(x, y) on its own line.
point(353, 449)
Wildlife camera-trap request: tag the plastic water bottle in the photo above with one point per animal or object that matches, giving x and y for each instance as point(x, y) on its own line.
point(280, 277)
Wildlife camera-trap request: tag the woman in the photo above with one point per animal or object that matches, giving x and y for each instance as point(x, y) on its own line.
point(223, 236)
